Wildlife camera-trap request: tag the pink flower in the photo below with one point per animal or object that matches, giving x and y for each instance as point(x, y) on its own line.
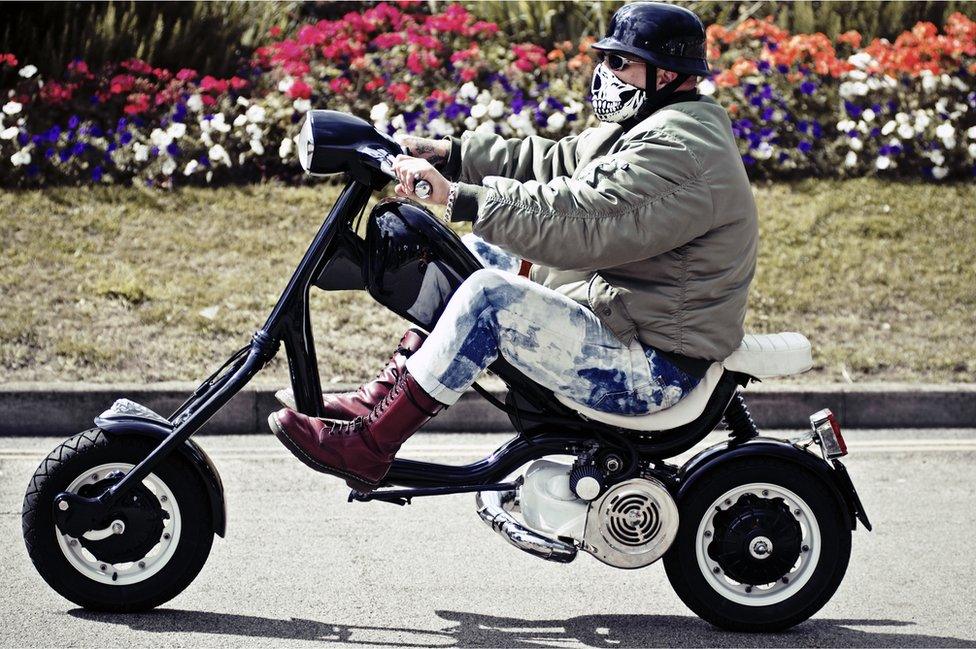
point(186, 74)
point(300, 90)
point(339, 85)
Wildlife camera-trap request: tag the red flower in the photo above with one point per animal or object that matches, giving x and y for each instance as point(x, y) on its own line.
point(210, 84)
point(275, 31)
point(77, 66)
point(121, 83)
point(399, 91)
point(8, 59)
point(468, 74)
point(300, 90)
point(386, 41)
point(339, 85)
point(55, 93)
point(137, 103)
point(441, 96)
point(374, 83)
point(186, 74)
point(237, 83)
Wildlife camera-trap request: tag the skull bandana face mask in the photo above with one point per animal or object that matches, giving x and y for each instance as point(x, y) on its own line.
point(612, 99)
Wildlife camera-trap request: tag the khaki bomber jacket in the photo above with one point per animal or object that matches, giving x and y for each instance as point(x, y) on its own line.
point(654, 229)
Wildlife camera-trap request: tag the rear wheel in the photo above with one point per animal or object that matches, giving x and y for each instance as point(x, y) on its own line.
point(762, 545)
point(145, 552)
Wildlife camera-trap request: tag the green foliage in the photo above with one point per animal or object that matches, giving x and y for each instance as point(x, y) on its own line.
point(208, 36)
point(550, 21)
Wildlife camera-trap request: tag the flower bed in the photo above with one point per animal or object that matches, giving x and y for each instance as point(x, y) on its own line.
point(801, 105)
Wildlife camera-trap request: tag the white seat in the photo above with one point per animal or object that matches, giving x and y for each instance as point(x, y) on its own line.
point(759, 355)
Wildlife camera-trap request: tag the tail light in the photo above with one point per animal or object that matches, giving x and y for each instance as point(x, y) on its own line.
point(827, 431)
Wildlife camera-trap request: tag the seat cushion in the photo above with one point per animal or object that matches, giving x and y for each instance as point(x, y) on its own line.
point(766, 355)
point(683, 412)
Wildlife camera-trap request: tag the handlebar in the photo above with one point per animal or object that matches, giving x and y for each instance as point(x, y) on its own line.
point(421, 188)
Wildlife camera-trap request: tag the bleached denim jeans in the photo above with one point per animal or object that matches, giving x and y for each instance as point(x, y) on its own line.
point(550, 338)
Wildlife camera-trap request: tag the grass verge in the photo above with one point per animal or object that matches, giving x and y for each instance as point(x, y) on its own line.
point(124, 284)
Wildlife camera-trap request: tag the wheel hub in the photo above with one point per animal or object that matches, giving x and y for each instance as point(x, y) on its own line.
point(136, 523)
point(757, 540)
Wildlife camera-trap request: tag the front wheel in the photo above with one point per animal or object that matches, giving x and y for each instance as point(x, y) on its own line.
point(146, 551)
point(762, 545)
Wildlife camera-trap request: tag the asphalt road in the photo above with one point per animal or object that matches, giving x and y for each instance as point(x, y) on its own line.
point(300, 565)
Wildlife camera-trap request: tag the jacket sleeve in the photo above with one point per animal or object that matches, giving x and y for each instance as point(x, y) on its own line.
point(486, 154)
point(637, 203)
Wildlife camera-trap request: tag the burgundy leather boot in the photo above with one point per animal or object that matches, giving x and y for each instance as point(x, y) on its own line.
point(362, 450)
point(349, 405)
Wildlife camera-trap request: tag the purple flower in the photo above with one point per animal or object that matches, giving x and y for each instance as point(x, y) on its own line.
point(782, 69)
point(73, 122)
point(23, 138)
point(65, 155)
point(121, 123)
point(772, 46)
point(97, 174)
point(78, 148)
point(430, 103)
point(37, 139)
point(767, 114)
point(875, 132)
point(453, 111)
point(173, 149)
point(804, 146)
point(554, 104)
point(808, 87)
point(756, 101)
point(817, 129)
point(154, 150)
point(96, 131)
point(748, 160)
point(764, 67)
point(112, 146)
point(433, 114)
point(53, 133)
point(49, 153)
point(125, 137)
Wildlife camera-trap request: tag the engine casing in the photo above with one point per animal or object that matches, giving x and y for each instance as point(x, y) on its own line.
point(631, 525)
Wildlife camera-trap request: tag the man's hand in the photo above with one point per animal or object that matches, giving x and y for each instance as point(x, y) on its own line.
point(409, 170)
point(433, 151)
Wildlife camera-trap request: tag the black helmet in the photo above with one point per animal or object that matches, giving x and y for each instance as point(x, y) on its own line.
point(665, 35)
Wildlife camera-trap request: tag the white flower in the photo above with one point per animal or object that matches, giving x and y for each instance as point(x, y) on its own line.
point(218, 153)
point(302, 105)
point(22, 157)
point(906, 132)
point(851, 159)
point(242, 101)
point(190, 167)
point(439, 128)
point(850, 89)
point(470, 123)
point(860, 60)
point(845, 125)
point(556, 121)
point(219, 123)
point(398, 123)
point(945, 131)
point(12, 107)
point(706, 87)
point(485, 127)
point(478, 111)
point(883, 162)
point(573, 107)
point(496, 109)
point(929, 81)
point(9, 133)
point(28, 71)
point(889, 128)
point(176, 130)
point(903, 118)
point(241, 159)
point(937, 158)
point(972, 150)
point(468, 91)
point(284, 149)
point(160, 138)
point(240, 120)
point(922, 120)
point(257, 147)
point(764, 151)
point(379, 112)
point(140, 152)
point(857, 75)
point(254, 131)
point(867, 115)
point(195, 103)
point(484, 98)
point(285, 84)
point(169, 166)
point(856, 144)
point(971, 132)
point(939, 172)
point(255, 113)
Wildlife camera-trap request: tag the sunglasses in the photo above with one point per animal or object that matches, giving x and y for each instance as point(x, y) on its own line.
point(613, 61)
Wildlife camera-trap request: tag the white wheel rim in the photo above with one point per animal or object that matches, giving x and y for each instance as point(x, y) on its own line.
point(124, 574)
point(777, 591)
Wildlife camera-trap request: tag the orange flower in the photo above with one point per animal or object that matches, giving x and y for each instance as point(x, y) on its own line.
point(852, 38)
point(726, 79)
point(585, 44)
point(555, 55)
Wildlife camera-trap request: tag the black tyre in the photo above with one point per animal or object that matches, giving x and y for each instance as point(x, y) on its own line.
point(762, 545)
point(151, 546)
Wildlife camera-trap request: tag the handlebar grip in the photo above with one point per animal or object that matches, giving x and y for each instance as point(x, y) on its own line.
point(422, 189)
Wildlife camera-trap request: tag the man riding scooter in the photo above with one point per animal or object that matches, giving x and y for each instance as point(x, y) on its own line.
point(642, 235)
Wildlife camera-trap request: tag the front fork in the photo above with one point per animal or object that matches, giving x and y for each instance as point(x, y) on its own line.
point(289, 322)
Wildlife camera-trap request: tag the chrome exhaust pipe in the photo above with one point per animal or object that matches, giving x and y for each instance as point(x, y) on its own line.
point(491, 508)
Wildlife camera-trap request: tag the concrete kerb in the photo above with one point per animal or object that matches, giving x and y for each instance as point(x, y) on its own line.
point(62, 409)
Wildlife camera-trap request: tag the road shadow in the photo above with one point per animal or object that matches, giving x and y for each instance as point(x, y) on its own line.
point(478, 630)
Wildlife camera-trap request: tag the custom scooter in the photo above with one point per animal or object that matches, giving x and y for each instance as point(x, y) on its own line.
point(755, 532)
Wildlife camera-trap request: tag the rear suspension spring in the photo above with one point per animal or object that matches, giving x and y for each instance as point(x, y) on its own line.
point(738, 420)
